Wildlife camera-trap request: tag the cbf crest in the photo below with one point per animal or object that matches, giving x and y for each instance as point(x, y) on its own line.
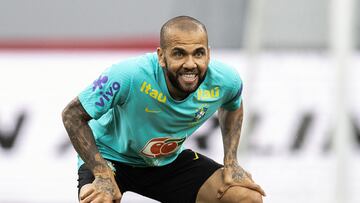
point(200, 113)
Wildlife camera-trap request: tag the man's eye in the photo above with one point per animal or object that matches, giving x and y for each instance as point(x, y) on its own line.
point(199, 54)
point(178, 54)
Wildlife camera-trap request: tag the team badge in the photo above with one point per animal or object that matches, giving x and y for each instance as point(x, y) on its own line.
point(200, 113)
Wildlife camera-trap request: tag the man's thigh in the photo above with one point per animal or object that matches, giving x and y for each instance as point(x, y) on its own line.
point(178, 181)
point(208, 192)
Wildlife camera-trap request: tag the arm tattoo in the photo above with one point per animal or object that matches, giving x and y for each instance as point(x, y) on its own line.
point(238, 173)
point(230, 123)
point(75, 121)
point(105, 184)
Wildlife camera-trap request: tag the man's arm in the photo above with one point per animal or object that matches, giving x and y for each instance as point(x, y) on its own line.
point(75, 120)
point(230, 124)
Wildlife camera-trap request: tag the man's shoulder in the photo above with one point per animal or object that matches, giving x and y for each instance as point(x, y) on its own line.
point(219, 71)
point(135, 67)
point(221, 68)
point(136, 63)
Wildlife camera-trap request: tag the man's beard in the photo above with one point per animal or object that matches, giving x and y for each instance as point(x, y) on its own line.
point(174, 80)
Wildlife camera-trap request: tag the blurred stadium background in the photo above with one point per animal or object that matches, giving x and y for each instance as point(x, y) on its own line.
point(299, 61)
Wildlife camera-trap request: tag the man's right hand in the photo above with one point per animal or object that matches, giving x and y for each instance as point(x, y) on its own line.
point(102, 190)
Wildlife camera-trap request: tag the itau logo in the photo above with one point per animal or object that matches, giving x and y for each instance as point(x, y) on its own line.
point(100, 82)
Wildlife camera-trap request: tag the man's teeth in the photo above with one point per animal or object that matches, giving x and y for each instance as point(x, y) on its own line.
point(189, 75)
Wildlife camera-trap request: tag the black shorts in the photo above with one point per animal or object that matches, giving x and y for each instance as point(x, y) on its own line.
point(177, 182)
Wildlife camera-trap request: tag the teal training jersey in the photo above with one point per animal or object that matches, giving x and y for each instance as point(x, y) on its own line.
point(137, 122)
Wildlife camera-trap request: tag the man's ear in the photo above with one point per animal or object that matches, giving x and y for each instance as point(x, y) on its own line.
point(208, 48)
point(161, 56)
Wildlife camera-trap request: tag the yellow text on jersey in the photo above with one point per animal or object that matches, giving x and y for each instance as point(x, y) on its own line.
point(204, 94)
point(155, 94)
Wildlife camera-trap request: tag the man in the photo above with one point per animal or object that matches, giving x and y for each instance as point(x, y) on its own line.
point(128, 127)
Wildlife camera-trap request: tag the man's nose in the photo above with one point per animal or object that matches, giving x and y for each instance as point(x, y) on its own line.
point(190, 63)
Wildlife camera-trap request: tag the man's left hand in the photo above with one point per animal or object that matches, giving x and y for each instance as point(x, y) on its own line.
point(235, 175)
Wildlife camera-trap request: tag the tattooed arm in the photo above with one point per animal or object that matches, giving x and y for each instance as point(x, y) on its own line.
point(233, 173)
point(75, 120)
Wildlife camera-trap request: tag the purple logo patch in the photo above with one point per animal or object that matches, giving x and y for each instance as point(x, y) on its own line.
point(107, 94)
point(100, 82)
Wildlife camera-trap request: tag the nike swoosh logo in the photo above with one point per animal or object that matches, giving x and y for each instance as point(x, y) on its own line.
point(151, 111)
point(196, 156)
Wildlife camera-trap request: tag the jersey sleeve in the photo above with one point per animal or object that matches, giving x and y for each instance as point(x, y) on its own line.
point(109, 89)
point(233, 98)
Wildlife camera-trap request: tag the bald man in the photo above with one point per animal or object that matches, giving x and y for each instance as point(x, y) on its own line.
point(128, 126)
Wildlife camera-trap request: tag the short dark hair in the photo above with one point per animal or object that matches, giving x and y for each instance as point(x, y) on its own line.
point(184, 23)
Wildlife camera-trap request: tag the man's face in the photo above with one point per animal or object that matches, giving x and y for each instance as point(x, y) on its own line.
point(185, 60)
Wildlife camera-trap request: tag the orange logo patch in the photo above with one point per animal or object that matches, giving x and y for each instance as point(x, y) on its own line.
point(158, 147)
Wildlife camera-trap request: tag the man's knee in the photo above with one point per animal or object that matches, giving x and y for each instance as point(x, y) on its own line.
point(241, 195)
point(253, 197)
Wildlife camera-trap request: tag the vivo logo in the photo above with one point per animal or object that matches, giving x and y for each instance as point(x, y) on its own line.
point(100, 82)
point(107, 94)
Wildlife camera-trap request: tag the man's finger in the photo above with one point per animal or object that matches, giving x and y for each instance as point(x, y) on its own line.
point(227, 176)
point(91, 197)
point(246, 184)
point(254, 186)
point(102, 199)
point(86, 190)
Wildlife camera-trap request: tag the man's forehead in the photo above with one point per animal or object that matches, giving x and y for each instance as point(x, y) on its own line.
point(170, 32)
point(187, 47)
point(185, 39)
